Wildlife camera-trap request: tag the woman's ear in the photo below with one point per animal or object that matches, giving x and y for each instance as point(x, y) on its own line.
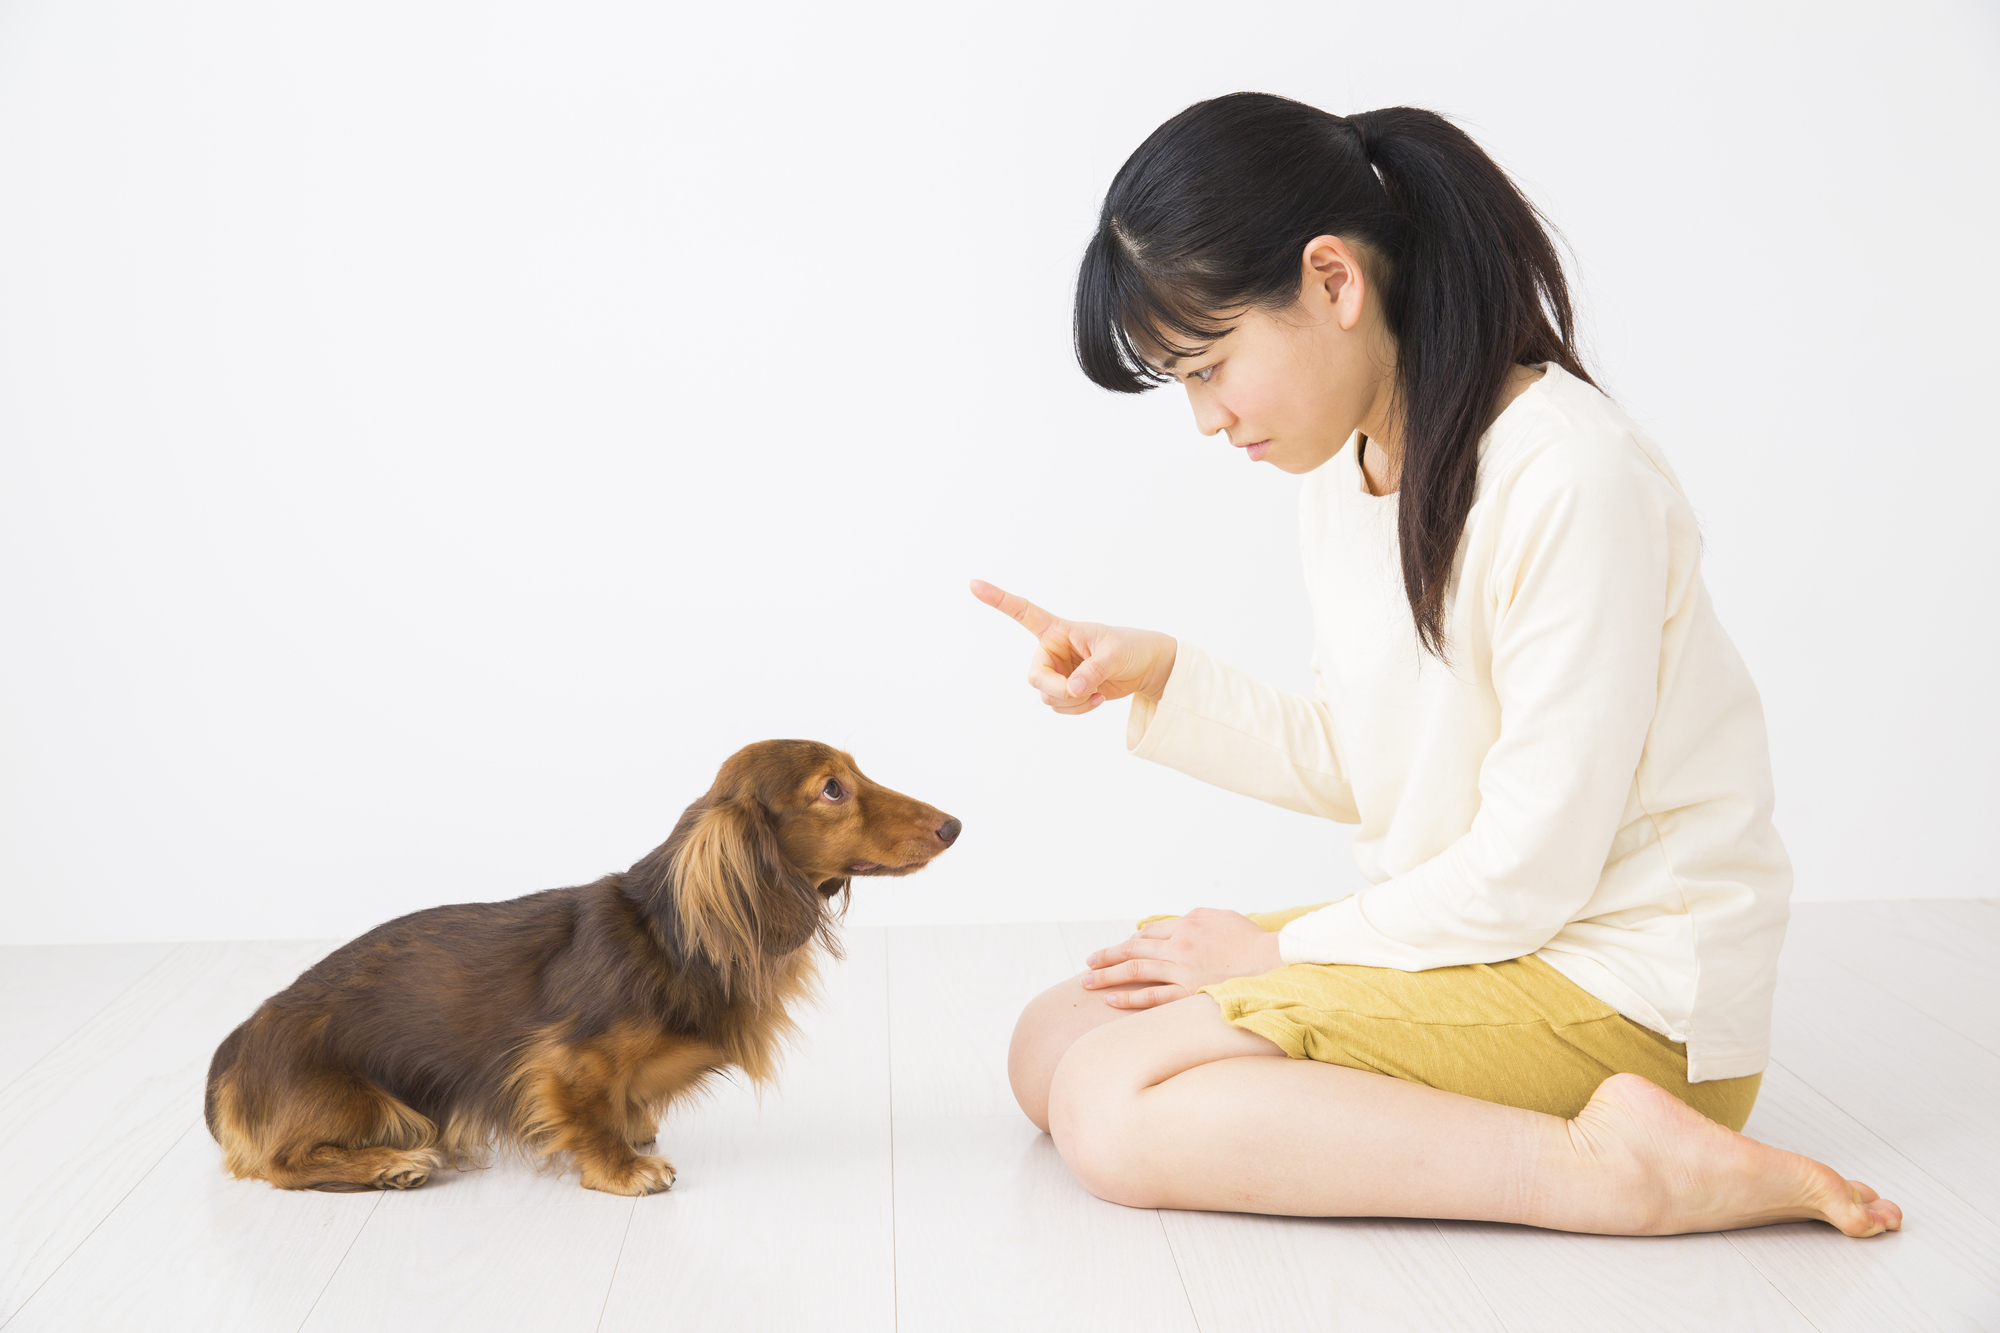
point(1333, 279)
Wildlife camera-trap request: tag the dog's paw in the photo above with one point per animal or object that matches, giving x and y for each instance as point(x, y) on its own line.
point(656, 1173)
point(644, 1175)
point(410, 1170)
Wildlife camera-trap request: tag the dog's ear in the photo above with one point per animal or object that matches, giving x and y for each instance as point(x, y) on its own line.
point(735, 896)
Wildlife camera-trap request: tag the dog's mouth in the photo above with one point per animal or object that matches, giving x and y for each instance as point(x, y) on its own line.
point(877, 868)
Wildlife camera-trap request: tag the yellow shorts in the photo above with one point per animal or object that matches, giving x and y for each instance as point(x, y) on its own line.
point(1519, 1032)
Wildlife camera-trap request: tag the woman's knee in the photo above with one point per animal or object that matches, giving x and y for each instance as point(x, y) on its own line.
point(1048, 1026)
point(1028, 1064)
point(1094, 1115)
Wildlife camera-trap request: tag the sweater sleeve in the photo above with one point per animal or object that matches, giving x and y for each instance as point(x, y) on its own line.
point(1219, 725)
point(1581, 586)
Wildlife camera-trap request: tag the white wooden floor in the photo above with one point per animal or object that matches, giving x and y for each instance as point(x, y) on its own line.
point(893, 1185)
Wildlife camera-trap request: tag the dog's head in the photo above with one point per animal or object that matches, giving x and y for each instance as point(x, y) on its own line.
point(753, 868)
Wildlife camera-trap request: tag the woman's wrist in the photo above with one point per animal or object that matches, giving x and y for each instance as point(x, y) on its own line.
point(1160, 670)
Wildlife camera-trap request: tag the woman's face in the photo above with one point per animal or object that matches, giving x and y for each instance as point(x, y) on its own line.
point(1291, 387)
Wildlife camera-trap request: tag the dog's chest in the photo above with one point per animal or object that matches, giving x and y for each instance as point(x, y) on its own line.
point(658, 1064)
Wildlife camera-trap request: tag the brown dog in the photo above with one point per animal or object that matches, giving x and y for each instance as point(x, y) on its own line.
point(567, 1021)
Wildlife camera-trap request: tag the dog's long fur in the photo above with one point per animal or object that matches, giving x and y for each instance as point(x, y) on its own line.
point(567, 1021)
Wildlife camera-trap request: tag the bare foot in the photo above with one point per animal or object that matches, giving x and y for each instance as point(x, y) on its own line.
point(1662, 1168)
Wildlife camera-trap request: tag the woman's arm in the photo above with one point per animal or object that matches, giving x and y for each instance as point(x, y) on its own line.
point(1215, 723)
point(1595, 561)
point(1189, 711)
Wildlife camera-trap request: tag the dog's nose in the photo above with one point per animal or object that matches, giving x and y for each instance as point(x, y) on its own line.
point(948, 831)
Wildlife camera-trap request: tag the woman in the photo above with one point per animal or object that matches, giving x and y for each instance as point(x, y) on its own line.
point(1557, 760)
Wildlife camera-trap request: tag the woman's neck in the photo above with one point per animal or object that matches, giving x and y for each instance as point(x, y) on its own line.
point(1382, 449)
point(1382, 466)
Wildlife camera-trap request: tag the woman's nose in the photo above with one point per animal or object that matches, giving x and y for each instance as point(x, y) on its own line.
point(1210, 416)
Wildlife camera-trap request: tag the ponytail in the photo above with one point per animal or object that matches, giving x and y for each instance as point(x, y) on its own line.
point(1211, 215)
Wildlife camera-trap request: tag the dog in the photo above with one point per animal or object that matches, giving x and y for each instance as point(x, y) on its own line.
point(566, 1022)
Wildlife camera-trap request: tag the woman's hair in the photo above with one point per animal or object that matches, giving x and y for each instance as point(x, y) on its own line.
point(1212, 214)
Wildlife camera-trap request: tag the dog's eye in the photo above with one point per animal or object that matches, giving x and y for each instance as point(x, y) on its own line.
point(832, 791)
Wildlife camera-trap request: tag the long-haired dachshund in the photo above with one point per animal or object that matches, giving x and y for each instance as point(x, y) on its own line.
point(567, 1021)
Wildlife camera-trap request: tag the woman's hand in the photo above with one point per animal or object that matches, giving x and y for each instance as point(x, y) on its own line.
point(1078, 664)
point(1183, 954)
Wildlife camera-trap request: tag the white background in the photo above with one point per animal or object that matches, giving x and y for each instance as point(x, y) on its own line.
point(432, 436)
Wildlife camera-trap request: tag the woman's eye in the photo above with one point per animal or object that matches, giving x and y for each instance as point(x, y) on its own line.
point(1203, 374)
point(832, 790)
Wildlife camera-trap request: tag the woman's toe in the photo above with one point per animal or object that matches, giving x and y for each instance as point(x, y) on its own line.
point(1886, 1213)
point(1863, 1212)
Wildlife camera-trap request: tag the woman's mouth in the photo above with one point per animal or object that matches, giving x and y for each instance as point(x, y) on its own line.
point(1255, 451)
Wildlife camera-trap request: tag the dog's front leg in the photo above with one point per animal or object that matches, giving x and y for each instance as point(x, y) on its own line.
point(641, 1126)
point(583, 1118)
point(607, 1159)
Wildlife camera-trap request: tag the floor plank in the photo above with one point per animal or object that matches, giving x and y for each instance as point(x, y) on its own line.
point(191, 1249)
point(83, 1126)
point(1251, 1274)
point(1910, 1079)
point(1554, 1282)
point(1944, 1263)
point(503, 1246)
point(954, 995)
point(992, 1230)
point(800, 1186)
point(994, 1233)
point(1937, 957)
point(894, 1179)
point(1980, 916)
point(49, 991)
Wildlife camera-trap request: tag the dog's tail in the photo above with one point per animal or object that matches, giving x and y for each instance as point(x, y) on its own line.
point(224, 1061)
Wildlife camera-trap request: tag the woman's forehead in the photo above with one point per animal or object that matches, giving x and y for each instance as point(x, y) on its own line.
point(1169, 355)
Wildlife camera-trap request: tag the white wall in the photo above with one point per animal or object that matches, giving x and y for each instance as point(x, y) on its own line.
point(432, 436)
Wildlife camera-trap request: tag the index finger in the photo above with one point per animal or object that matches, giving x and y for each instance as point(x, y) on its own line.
point(1032, 617)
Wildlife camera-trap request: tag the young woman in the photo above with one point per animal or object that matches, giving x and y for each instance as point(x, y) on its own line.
point(1552, 1005)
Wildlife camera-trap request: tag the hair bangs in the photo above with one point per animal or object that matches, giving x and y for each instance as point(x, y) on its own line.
point(1122, 313)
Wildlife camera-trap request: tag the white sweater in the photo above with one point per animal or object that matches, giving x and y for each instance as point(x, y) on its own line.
point(1588, 781)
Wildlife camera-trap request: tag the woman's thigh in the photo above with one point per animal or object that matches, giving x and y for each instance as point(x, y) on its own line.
point(1048, 1026)
point(1518, 1032)
point(1109, 1107)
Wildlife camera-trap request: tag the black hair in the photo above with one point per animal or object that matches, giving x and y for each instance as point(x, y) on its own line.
point(1212, 214)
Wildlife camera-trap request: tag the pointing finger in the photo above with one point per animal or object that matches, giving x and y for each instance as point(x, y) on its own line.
point(1032, 617)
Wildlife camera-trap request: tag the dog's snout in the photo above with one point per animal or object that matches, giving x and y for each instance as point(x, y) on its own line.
point(948, 831)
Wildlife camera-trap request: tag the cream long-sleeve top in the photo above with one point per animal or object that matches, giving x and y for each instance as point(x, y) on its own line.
point(1587, 780)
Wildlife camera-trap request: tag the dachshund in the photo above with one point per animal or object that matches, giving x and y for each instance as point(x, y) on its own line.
point(567, 1021)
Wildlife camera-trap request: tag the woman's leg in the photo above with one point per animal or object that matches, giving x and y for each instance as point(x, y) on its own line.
point(1051, 1021)
point(1177, 1108)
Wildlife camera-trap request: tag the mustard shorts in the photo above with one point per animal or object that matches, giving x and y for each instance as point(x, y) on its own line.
point(1519, 1032)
